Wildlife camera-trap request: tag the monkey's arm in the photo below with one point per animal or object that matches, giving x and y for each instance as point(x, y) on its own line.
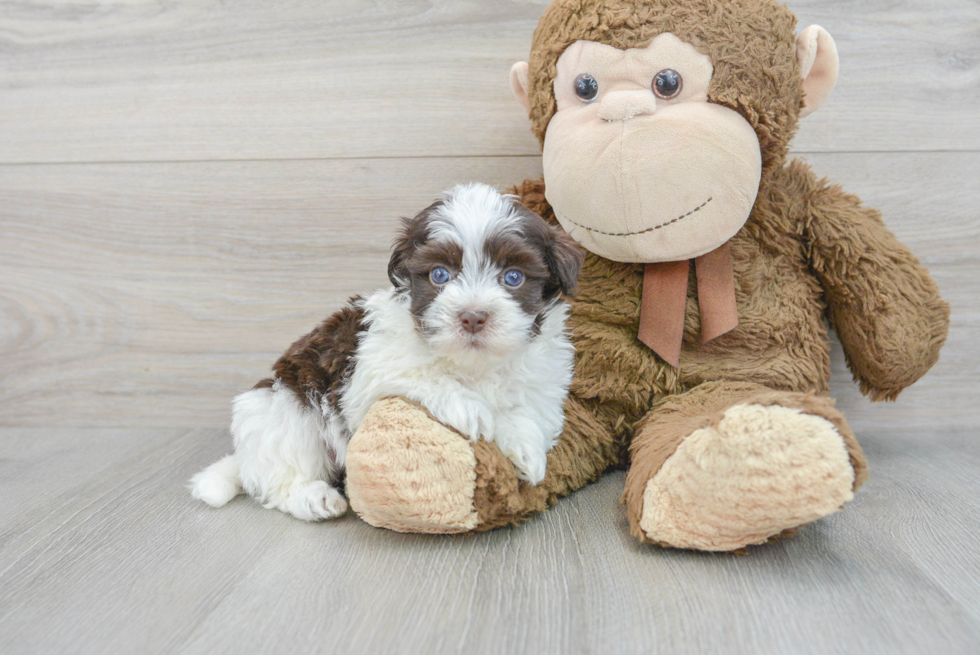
point(882, 302)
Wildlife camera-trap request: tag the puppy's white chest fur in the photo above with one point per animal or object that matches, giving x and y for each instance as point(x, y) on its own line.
point(516, 399)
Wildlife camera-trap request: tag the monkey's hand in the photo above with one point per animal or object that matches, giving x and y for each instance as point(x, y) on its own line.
point(882, 302)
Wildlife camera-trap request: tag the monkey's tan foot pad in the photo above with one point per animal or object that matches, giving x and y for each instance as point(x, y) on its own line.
point(408, 472)
point(760, 471)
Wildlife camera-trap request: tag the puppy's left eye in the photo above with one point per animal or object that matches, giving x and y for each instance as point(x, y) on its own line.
point(513, 279)
point(439, 275)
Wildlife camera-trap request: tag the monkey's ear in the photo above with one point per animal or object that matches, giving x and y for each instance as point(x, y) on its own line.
point(518, 84)
point(816, 53)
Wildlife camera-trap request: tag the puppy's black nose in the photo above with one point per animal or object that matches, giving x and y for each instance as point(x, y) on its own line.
point(473, 322)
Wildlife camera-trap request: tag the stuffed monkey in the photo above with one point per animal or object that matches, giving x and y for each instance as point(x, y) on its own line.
point(701, 316)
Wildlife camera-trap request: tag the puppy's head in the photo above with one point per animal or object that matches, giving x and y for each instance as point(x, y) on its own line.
point(481, 270)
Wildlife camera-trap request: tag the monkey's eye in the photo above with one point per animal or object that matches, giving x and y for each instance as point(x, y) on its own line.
point(439, 276)
point(513, 278)
point(667, 84)
point(586, 88)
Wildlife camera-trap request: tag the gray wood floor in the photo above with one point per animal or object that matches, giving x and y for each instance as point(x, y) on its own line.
point(102, 551)
point(185, 187)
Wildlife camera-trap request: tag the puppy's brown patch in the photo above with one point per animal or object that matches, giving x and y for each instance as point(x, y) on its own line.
point(563, 256)
point(548, 258)
point(318, 364)
point(511, 252)
point(413, 235)
point(420, 264)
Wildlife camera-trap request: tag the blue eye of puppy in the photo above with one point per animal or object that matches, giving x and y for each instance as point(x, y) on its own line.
point(513, 278)
point(439, 275)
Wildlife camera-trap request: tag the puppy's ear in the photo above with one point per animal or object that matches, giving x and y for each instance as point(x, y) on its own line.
point(412, 235)
point(565, 258)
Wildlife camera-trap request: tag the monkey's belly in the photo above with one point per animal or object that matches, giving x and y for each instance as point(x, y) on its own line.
point(779, 342)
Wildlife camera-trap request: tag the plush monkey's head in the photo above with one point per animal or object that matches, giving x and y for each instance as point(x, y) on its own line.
point(659, 119)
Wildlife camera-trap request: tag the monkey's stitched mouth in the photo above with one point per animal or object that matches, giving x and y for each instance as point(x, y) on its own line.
point(649, 229)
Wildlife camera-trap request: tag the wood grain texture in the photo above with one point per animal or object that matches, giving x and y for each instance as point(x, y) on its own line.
point(150, 294)
point(112, 555)
point(186, 187)
point(163, 81)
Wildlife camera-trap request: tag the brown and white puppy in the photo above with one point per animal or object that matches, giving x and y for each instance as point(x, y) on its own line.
point(473, 329)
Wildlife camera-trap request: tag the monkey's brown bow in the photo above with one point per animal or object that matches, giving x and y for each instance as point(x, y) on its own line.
point(664, 301)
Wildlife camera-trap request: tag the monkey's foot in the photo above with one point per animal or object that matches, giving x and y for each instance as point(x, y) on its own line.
point(757, 472)
point(408, 472)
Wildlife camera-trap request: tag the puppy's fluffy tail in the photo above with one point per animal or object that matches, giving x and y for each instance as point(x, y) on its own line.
point(218, 483)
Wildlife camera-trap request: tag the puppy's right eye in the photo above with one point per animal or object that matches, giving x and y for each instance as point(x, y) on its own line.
point(439, 276)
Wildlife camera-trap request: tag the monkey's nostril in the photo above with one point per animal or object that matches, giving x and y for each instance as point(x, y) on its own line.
point(473, 322)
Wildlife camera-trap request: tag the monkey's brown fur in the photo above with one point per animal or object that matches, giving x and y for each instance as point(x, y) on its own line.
point(808, 252)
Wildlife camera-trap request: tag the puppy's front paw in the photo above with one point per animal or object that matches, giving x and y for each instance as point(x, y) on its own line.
point(484, 423)
point(469, 416)
point(522, 441)
point(529, 461)
point(315, 501)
